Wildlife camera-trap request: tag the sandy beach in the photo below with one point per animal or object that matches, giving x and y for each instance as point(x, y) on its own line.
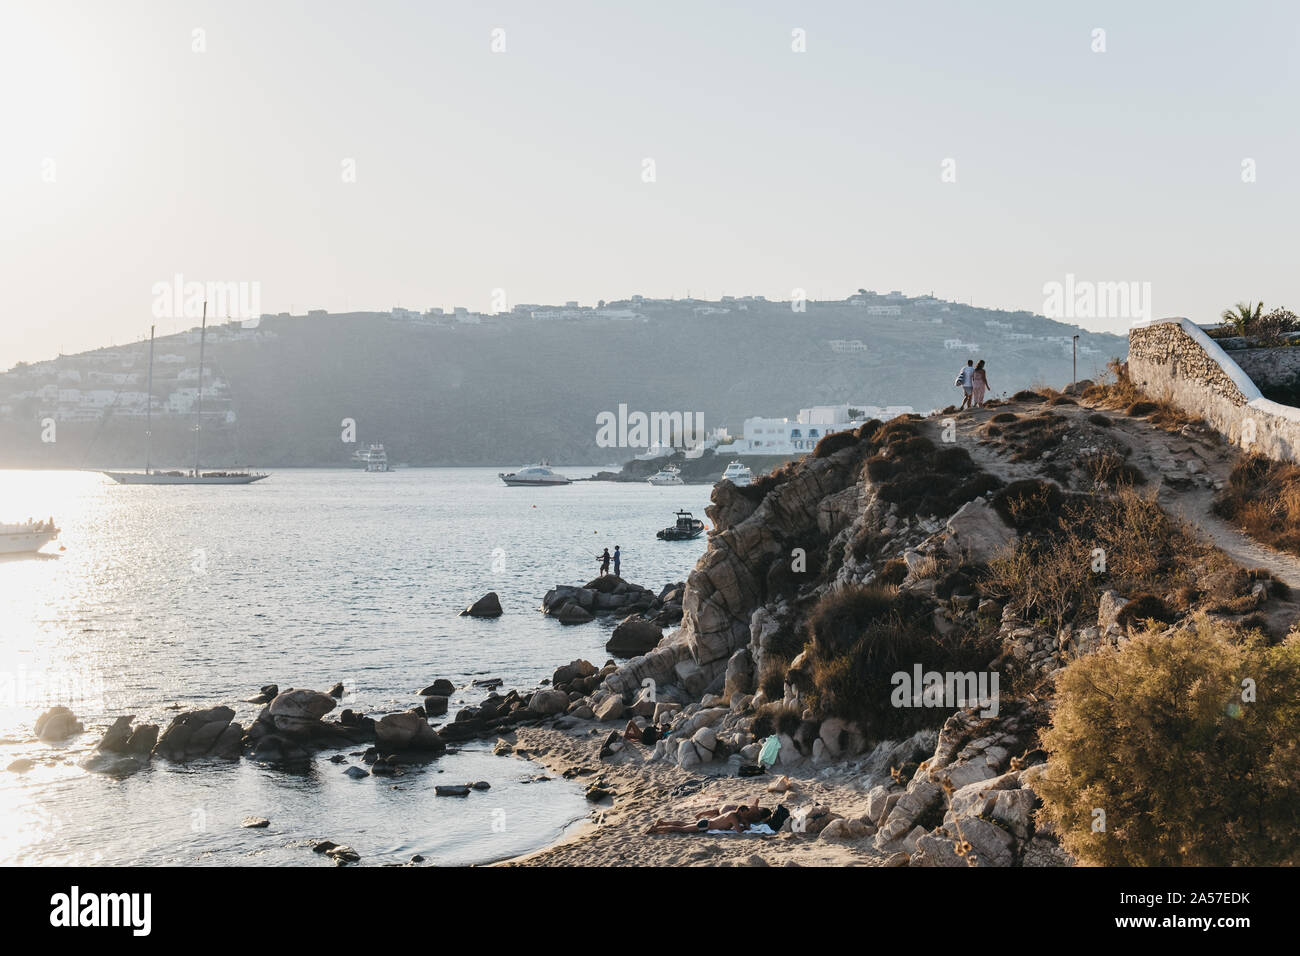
point(642, 792)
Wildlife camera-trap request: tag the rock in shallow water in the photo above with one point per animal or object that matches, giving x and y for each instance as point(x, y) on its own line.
point(489, 605)
point(57, 723)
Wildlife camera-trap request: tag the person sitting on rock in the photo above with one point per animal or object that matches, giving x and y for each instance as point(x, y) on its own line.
point(739, 820)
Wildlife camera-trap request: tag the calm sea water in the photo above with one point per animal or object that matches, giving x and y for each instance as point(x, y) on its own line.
point(168, 596)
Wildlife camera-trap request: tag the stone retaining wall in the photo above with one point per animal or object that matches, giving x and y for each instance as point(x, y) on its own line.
point(1174, 359)
point(1268, 367)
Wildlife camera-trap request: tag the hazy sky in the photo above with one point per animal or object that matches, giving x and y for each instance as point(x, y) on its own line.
point(523, 170)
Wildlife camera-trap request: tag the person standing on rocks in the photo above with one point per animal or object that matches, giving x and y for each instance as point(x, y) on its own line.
point(604, 562)
point(979, 385)
point(966, 381)
point(618, 558)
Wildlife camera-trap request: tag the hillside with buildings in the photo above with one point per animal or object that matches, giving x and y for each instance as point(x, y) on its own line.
point(467, 388)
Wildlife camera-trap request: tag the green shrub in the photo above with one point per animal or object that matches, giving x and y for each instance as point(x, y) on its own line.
point(771, 681)
point(835, 441)
point(952, 459)
point(1146, 607)
point(855, 682)
point(894, 571)
point(1029, 503)
point(1157, 735)
point(775, 718)
point(869, 428)
point(1025, 395)
point(1100, 420)
point(840, 616)
point(1108, 469)
point(880, 468)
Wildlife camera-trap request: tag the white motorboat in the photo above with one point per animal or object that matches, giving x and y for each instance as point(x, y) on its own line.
point(738, 474)
point(373, 458)
point(534, 476)
point(26, 537)
point(667, 475)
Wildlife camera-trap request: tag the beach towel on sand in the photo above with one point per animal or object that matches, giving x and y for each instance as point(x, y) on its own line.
point(755, 829)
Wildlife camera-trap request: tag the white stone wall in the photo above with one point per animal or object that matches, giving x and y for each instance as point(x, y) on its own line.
point(1174, 359)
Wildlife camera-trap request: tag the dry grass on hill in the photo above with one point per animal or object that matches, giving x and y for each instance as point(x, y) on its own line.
point(1123, 395)
point(1076, 546)
point(1262, 498)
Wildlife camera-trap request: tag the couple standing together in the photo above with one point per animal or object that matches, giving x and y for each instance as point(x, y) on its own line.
point(974, 382)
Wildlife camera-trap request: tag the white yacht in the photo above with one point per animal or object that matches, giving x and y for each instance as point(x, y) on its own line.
point(373, 458)
point(667, 475)
point(738, 474)
point(26, 537)
point(534, 475)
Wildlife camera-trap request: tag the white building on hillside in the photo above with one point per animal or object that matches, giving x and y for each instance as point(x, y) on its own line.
point(781, 436)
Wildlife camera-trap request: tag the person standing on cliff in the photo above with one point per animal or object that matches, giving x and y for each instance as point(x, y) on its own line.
point(618, 558)
point(966, 381)
point(979, 385)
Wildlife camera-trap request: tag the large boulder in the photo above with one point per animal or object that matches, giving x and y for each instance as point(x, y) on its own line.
point(547, 702)
point(115, 739)
point(740, 674)
point(572, 671)
point(406, 731)
point(611, 708)
point(439, 688)
point(571, 612)
point(298, 712)
point(976, 533)
point(633, 637)
point(196, 733)
point(489, 605)
point(57, 723)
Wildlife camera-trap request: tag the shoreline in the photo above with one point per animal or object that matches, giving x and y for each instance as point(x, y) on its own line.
point(613, 834)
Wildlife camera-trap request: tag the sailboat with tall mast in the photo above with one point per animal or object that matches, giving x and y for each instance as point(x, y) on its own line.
point(195, 476)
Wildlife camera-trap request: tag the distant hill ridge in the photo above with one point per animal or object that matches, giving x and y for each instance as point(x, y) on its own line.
point(514, 388)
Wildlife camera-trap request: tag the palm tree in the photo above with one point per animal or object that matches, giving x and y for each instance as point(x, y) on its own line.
point(1243, 316)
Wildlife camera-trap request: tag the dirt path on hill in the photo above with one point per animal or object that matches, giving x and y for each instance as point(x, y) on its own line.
point(1187, 471)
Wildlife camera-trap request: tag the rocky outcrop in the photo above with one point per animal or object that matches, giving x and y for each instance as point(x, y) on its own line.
point(489, 605)
point(57, 723)
point(977, 533)
point(407, 731)
point(123, 749)
point(297, 713)
point(634, 635)
point(610, 594)
point(210, 732)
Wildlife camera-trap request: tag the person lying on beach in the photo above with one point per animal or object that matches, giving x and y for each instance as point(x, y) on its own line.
point(648, 736)
point(740, 819)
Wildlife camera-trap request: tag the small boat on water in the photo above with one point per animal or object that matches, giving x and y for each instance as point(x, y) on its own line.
point(195, 475)
point(26, 537)
point(373, 458)
point(687, 527)
point(533, 476)
point(667, 475)
point(738, 474)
